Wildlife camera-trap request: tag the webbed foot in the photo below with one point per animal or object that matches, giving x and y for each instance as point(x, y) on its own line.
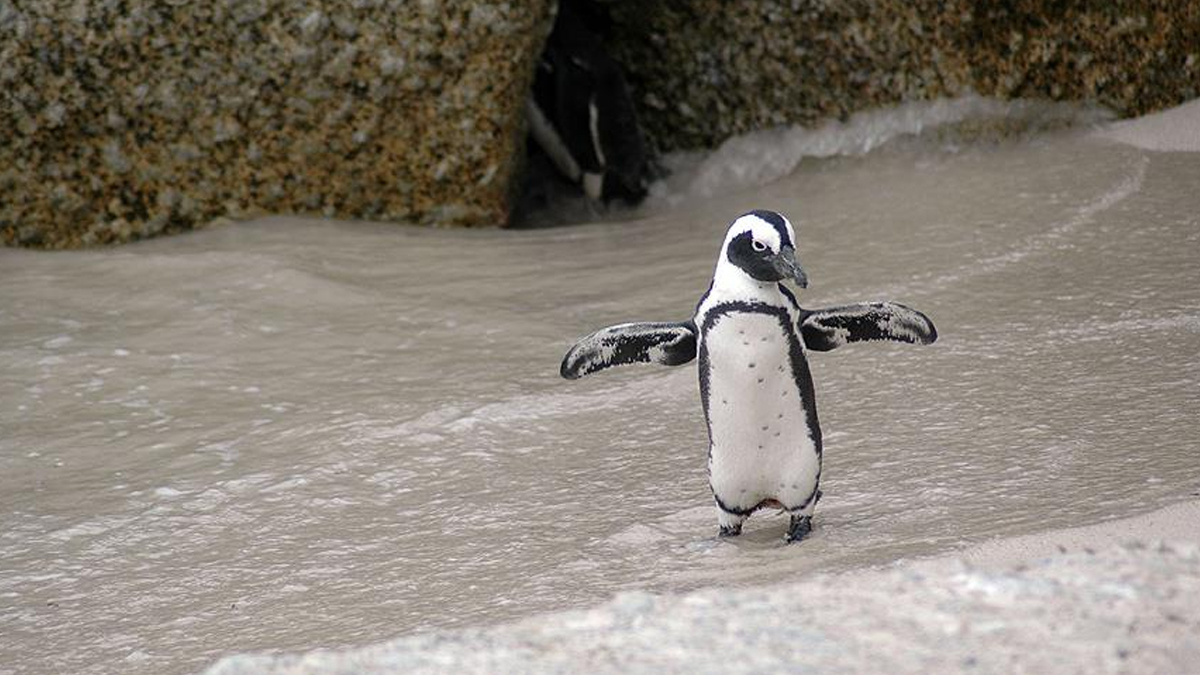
point(798, 528)
point(729, 530)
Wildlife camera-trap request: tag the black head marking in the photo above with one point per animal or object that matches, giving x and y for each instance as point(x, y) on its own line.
point(758, 264)
point(776, 221)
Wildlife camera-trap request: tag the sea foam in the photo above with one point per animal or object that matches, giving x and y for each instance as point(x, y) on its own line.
point(1173, 130)
point(765, 156)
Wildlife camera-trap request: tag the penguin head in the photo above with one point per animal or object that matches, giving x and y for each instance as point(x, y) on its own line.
point(762, 245)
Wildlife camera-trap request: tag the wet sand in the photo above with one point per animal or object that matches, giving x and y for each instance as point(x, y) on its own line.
point(1115, 597)
point(289, 434)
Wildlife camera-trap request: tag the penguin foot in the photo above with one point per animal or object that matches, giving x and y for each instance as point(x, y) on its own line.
point(798, 529)
point(729, 530)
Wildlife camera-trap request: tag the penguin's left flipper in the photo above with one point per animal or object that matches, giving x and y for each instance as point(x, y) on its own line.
point(826, 329)
point(671, 344)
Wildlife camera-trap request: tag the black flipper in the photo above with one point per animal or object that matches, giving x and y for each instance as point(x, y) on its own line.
point(826, 329)
point(671, 344)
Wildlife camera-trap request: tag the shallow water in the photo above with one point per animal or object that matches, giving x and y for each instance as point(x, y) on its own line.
point(294, 434)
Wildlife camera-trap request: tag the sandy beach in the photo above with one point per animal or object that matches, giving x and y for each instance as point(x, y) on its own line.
point(1115, 597)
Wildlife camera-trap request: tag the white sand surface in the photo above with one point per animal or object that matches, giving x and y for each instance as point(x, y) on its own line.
point(1178, 523)
point(1122, 596)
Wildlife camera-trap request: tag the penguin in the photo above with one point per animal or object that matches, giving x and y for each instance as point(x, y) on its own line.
point(581, 113)
point(750, 338)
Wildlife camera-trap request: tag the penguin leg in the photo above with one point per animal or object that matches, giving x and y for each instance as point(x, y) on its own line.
point(800, 523)
point(729, 524)
point(798, 528)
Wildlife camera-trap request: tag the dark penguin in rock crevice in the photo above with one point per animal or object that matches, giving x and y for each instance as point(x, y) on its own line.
point(750, 338)
point(581, 114)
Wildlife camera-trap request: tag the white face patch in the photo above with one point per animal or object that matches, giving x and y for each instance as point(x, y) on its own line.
point(761, 230)
point(731, 280)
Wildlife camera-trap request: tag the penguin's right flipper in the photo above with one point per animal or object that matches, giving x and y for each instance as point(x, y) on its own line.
point(832, 327)
point(671, 344)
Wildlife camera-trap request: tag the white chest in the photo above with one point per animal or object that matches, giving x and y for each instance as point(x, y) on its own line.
point(762, 447)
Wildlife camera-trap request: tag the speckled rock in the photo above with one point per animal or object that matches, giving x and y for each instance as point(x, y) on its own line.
point(126, 119)
point(706, 70)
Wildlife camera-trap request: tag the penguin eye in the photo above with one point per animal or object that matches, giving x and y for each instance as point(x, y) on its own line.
point(758, 245)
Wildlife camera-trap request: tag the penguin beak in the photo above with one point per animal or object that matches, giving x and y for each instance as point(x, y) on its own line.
point(788, 268)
